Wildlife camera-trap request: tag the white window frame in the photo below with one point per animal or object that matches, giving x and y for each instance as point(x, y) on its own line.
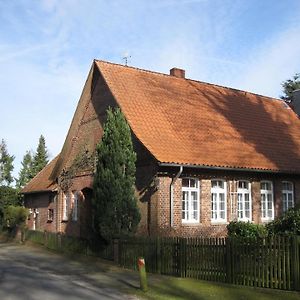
point(243, 192)
point(65, 207)
point(218, 191)
point(266, 193)
point(285, 204)
point(75, 201)
point(190, 209)
point(50, 217)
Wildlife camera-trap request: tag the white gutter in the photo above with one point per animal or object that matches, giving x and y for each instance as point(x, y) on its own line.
point(172, 196)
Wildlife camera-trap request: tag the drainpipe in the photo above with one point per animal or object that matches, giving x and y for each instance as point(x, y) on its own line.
point(172, 196)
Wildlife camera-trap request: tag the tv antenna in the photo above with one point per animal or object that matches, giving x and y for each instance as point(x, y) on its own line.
point(126, 58)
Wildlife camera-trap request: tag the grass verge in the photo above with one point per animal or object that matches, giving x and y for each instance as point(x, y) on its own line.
point(190, 289)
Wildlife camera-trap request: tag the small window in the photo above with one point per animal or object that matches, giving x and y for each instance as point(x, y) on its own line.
point(66, 205)
point(244, 206)
point(75, 206)
point(267, 201)
point(287, 195)
point(190, 200)
point(50, 215)
point(218, 201)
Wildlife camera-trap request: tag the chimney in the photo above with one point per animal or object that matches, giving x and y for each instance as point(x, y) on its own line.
point(296, 102)
point(177, 73)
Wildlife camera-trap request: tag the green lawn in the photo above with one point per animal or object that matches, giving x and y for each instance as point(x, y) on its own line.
point(190, 289)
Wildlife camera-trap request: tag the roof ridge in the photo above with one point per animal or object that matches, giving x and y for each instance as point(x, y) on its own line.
point(189, 79)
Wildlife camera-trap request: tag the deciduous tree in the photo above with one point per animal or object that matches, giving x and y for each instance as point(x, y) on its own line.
point(289, 86)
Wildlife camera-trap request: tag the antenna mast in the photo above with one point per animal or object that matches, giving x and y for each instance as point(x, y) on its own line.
point(125, 58)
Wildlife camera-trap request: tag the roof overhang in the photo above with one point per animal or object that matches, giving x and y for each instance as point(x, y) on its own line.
point(220, 168)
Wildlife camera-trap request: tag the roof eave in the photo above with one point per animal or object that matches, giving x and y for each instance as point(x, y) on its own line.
point(217, 168)
point(40, 191)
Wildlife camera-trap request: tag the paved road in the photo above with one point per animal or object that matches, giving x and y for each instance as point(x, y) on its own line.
point(29, 273)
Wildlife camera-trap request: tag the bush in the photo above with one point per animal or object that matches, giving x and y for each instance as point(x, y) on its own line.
point(288, 223)
point(246, 230)
point(15, 216)
point(8, 196)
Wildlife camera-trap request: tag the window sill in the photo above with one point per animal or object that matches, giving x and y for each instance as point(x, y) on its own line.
point(196, 223)
point(64, 220)
point(213, 222)
point(245, 220)
point(266, 220)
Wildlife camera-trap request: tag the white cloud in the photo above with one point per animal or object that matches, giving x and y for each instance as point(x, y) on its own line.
point(276, 60)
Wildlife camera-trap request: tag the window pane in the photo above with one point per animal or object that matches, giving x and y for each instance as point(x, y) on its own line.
point(269, 201)
point(266, 186)
point(195, 205)
point(247, 205)
point(192, 183)
point(288, 186)
point(185, 182)
point(247, 214)
point(222, 215)
point(221, 184)
point(263, 205)
point(194, 196)
point(213, 205)
point(214, 183)
point(185, 195)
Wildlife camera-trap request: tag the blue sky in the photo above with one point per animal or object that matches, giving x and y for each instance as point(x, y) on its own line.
point(47, 47)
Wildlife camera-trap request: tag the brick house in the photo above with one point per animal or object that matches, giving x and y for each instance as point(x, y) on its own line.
point(206, 155)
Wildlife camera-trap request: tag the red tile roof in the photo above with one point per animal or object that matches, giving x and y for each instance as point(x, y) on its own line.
point(41, 182)
point(190, 122)
point(187, 122)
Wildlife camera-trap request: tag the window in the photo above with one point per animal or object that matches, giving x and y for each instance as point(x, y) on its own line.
point(190, 200)
point(50, 215)
point(287, 195)
point(244, 208)
point(75, 206)
point(66, 204)
point(267, 201)
point(218, 201)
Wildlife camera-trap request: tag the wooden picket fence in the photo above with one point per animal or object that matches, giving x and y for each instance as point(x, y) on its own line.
point(271, 262)
point(69, 244)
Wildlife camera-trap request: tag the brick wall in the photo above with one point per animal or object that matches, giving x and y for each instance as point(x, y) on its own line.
point(205, 227)
point(77, 227)
point(39, 204)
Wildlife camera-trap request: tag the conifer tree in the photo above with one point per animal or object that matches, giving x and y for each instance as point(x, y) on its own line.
point(115, 206)
point(6, 165)
point(40, 158)
point(26, 172)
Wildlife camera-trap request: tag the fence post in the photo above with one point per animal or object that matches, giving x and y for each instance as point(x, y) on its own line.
point(228, 260)
point(296, 262)
point(158, 254)
point(182, 256)
point(116, 250)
